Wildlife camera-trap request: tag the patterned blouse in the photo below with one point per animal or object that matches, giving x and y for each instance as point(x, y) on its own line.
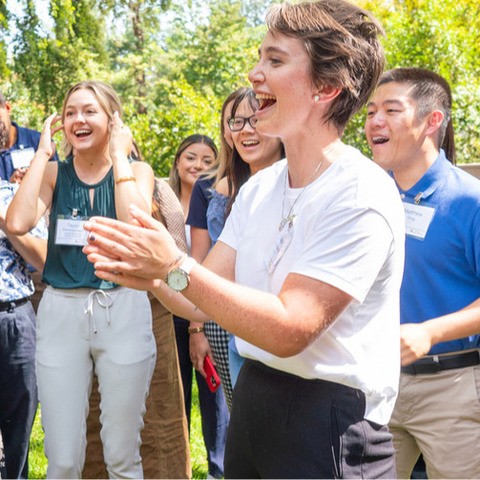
point(15, 280)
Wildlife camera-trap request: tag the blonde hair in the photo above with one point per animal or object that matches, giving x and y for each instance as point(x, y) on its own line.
point(106, 97)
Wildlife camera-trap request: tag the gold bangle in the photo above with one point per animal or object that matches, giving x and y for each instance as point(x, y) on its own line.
point(125, 179)
point(195, 330)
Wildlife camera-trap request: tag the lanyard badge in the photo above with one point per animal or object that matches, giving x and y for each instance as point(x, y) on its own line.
point(70, 230)
point(22, 158)
point(417, 218)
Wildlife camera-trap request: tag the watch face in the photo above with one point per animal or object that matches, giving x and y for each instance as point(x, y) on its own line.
point(178, 280)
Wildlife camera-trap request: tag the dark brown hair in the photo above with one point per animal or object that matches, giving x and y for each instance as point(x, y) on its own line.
point(431, 92)
point(238, 171)
point(174, 179)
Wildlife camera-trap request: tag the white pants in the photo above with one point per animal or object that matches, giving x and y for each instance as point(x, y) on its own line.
point(78, 331)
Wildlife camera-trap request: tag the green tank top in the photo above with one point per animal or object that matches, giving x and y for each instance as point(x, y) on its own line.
point(66, 265)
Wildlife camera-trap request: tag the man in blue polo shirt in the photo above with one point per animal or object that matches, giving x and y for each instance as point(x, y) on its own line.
point(17, 145)
point(437, 413)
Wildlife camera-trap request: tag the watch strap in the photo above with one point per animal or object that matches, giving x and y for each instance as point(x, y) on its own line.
point(187, 265)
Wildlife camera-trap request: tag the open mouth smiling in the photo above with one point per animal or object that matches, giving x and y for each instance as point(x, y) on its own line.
point(265, 101)
point(378, 140)
point(82, 133)
point(250, 143)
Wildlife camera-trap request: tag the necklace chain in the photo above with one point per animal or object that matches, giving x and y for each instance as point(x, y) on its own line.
point(290, 218)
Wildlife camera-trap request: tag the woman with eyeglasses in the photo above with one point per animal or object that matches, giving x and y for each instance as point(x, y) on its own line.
point(251, 152)
point(307, 270)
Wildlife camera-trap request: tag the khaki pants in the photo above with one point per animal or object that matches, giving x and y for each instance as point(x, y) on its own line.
point(165, 448)
point(438, 415)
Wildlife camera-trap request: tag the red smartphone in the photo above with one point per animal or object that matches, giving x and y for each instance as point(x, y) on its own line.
point(213, 380)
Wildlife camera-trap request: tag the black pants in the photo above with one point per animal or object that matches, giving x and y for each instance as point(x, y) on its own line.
point(283, 426)
point(18, 389)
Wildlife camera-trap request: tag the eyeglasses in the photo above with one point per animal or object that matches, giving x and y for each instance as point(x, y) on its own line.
point(238, 123)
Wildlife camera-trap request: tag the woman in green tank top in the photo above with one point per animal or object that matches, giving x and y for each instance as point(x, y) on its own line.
point(86, 325)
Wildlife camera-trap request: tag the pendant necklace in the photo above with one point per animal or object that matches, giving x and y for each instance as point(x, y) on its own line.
point(285, 229)
point(290, 218)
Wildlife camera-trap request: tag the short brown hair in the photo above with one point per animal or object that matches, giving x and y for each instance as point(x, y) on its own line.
point(342, 42)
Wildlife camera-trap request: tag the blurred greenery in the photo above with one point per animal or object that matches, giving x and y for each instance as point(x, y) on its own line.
point(173, 62)
point(37, 463)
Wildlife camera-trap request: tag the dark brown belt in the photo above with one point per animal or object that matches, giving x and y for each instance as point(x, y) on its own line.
point(438, 363)
point(4, 306)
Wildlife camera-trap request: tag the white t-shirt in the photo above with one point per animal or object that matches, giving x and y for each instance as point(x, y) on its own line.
point(349, 233)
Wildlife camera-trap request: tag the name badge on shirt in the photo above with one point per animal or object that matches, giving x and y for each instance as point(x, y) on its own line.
point(70, 231)
point(417, 219)
point(22, 158)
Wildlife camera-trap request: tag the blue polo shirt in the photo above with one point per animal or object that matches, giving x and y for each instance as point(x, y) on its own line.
point(442, 271)
point(26, 138)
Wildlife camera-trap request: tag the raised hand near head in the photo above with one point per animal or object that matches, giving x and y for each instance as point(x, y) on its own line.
point(49, 130)
point(120, 138)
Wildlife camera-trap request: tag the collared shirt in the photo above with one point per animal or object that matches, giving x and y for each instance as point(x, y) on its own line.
point(442, 270)
point(26, 138)
point(15, 280)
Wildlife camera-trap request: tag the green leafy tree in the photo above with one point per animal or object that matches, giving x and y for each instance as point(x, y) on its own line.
point(216, 56)
point(441, 36)
point(49, 62)
point(191, 70)
point(140, 22)
point(174, 61)
point(4, 16)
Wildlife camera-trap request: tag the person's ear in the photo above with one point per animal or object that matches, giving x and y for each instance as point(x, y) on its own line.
point(434, 122)
point(326, 93)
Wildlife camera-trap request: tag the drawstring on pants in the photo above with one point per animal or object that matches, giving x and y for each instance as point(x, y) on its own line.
point(99, 295)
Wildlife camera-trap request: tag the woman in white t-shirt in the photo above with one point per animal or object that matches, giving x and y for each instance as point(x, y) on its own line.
point(307, 271)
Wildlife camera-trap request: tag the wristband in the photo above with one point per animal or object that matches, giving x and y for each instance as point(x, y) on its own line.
point(195, 330)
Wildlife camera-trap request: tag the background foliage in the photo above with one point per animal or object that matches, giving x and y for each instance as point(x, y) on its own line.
point(173, 61)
